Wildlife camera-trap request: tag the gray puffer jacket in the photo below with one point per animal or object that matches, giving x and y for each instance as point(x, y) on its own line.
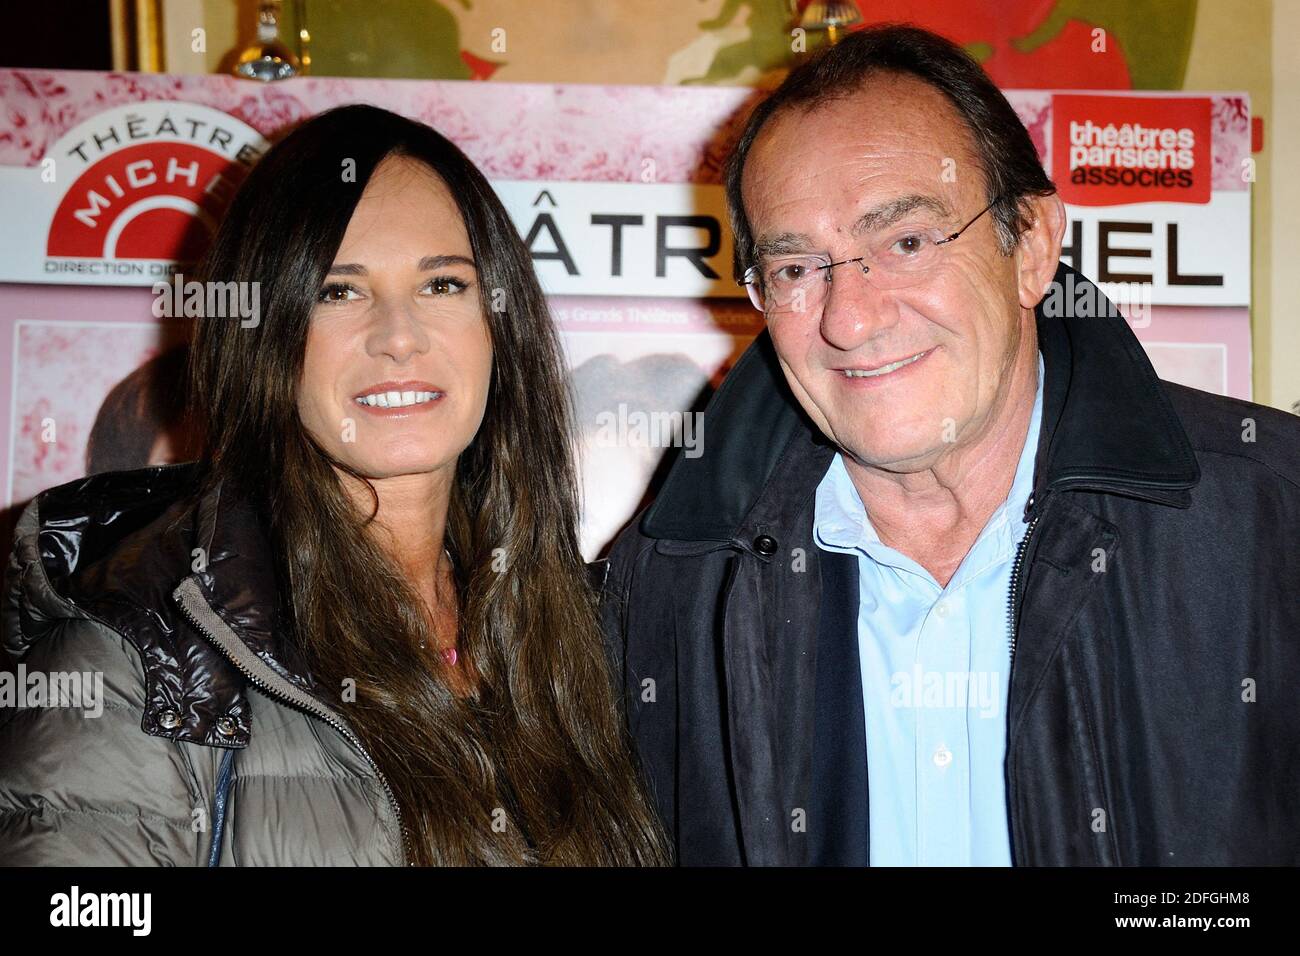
point(150, 715)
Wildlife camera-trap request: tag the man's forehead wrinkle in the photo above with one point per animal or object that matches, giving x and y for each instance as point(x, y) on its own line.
point(889, 212)
point(852, 166)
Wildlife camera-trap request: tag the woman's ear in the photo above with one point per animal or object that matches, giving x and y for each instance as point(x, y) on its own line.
point(1039, 251)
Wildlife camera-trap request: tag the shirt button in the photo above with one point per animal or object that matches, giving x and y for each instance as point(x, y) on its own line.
point(941, 609)
point(942, 757)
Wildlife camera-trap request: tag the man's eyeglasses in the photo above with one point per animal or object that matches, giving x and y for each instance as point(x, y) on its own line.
point(893, 260)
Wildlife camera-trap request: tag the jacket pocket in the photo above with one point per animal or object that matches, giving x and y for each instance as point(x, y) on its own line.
point(1088, 763)
point(690, 549)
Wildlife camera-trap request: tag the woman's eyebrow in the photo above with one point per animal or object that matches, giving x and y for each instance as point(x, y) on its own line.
point(425, 265)
point(437, 262)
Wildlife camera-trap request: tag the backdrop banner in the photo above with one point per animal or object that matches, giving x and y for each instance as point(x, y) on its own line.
point(111, 184)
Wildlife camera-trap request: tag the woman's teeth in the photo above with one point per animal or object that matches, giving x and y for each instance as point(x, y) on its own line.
point(883, 370)
point(397, 399)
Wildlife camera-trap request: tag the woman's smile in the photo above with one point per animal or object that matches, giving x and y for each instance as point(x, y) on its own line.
point(399, 399)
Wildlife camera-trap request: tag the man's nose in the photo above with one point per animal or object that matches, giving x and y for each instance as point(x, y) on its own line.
point(396, 332)
point(855, 309)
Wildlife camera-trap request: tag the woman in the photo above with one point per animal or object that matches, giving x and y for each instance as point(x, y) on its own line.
point(358, 630)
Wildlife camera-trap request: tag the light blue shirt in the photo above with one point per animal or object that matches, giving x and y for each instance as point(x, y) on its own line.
point(935, 665)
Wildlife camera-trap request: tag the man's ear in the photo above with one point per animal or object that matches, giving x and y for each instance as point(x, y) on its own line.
point(1039, 251)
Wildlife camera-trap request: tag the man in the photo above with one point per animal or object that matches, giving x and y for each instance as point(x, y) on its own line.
point(957, 580)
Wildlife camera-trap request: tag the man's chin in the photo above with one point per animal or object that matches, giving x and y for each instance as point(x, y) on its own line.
point(891, 454)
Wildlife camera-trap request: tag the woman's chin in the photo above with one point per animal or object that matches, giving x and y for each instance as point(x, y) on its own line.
point(384, 468)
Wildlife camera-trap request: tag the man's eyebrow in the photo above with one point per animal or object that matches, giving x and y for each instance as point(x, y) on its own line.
point(877, 217)
point(888, 213)
point(426, 264)
point(784, 244)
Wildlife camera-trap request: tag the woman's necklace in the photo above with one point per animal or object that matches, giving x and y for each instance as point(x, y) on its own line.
point(448, 653)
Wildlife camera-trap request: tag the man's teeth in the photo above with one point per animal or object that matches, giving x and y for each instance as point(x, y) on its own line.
point(883, 370)
point(397, 399)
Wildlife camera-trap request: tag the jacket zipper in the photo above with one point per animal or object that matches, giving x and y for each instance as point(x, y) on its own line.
point(308, 705)
point(1016, 570)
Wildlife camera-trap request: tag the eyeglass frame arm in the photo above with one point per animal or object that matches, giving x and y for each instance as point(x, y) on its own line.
point(831, 265)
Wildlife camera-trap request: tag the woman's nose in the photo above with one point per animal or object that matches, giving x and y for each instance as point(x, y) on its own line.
point(397, 333)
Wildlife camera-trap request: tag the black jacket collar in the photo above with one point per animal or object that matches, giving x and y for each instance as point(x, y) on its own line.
point(115, 546)
point(1107, 426)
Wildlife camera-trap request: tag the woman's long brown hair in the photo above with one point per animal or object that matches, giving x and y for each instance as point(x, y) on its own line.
point(533, 766)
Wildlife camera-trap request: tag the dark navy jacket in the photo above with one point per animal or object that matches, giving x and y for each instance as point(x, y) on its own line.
point(1154, 706)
